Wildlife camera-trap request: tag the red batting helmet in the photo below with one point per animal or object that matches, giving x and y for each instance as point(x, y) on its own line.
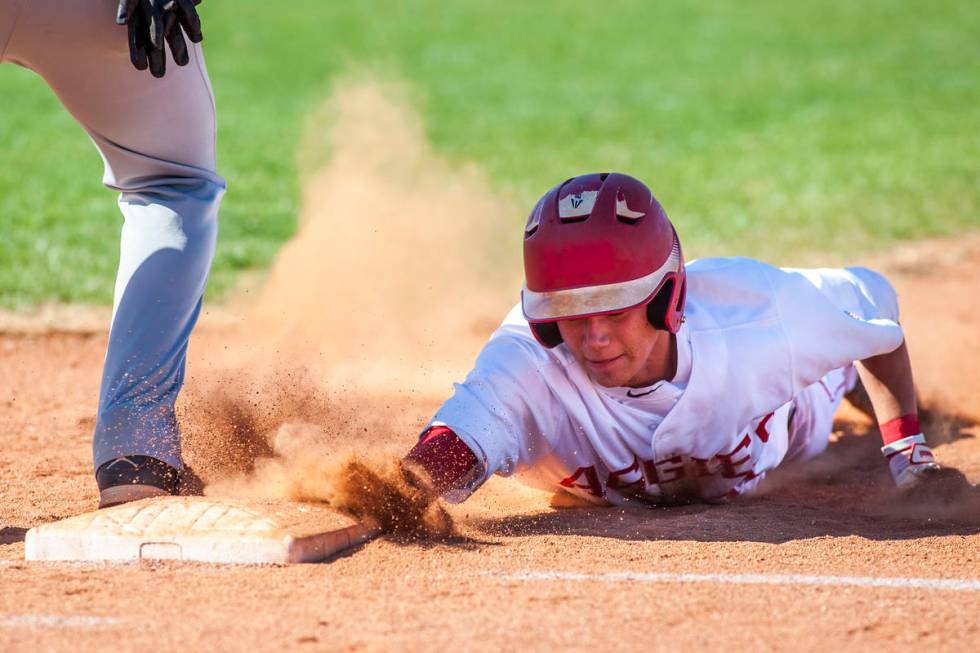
point(597, 244)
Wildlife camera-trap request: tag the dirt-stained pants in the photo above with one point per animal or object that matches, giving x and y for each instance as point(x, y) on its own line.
point(157, 139)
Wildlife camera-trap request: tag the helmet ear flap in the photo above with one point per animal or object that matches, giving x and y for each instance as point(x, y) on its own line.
point(676, 314)
point(547, 333)
point(658, 307)
point(666, 309)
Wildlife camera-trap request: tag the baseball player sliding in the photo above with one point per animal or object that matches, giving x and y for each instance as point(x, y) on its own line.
point(157, 140)
point(626, 376)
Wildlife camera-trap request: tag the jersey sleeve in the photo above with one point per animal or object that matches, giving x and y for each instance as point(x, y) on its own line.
point(833, 317)
point(491, 410)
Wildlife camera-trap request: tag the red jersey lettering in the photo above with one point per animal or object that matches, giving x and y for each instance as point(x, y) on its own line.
point(761, 429)
point(591, 481)
point(701, 468)
point(617, 479)
point(729, 464)
point(667, 470)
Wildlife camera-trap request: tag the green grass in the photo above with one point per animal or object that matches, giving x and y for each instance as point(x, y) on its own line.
point(765, 128)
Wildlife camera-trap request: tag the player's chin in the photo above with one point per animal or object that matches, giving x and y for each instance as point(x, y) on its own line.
point(608, 378)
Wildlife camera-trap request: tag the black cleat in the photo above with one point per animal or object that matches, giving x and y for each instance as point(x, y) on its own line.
point(130, 478)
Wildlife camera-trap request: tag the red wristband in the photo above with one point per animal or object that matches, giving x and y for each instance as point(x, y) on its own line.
point(900, 427)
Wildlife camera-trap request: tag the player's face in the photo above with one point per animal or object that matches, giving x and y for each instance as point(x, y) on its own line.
point(620, 349)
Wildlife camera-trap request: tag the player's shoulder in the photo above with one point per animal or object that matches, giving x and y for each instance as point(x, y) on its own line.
point(741, 290)
point(855, 276)
point(731, 268)
point(735, 276)
point(726, 284)
point(737, 291)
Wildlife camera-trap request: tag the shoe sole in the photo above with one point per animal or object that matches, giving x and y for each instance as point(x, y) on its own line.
point(113, 496)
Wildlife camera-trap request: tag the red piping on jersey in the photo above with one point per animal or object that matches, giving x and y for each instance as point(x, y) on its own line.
point(445, 457)
point(900, 427)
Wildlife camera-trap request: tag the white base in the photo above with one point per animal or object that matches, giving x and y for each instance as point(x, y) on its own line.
point(200, 529)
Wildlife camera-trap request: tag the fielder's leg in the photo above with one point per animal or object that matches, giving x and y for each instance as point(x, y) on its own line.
point(157, 139)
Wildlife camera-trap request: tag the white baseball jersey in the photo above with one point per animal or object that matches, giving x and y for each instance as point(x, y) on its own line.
point(764, 357)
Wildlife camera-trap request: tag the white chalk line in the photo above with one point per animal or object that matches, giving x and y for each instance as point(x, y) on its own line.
point(950, 584)
point(57, 621)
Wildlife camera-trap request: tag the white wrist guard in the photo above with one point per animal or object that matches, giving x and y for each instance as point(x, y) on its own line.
point(910, 460)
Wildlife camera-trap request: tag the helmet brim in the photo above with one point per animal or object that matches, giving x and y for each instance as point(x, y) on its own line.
point(571, 303)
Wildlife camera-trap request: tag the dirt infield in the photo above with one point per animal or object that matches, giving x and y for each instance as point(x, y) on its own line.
point(521, 573)
point(828, 558)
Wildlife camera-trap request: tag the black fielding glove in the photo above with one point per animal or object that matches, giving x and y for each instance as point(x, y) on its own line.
point(152, 24)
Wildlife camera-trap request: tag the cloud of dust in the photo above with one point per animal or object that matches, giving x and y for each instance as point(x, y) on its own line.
point(948, 494)
point(236, 417)
point(402, 266)
point(854, 460)
point(403, 263)
point(366, 485)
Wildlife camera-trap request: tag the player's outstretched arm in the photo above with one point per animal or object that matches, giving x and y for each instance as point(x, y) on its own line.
point(154, 23)
point(890, 386)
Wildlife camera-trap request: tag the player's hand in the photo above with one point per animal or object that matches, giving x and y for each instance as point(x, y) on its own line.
point(911, 461)
point(154, 23)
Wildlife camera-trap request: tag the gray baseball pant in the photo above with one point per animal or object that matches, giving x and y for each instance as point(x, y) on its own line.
point(157, 140)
